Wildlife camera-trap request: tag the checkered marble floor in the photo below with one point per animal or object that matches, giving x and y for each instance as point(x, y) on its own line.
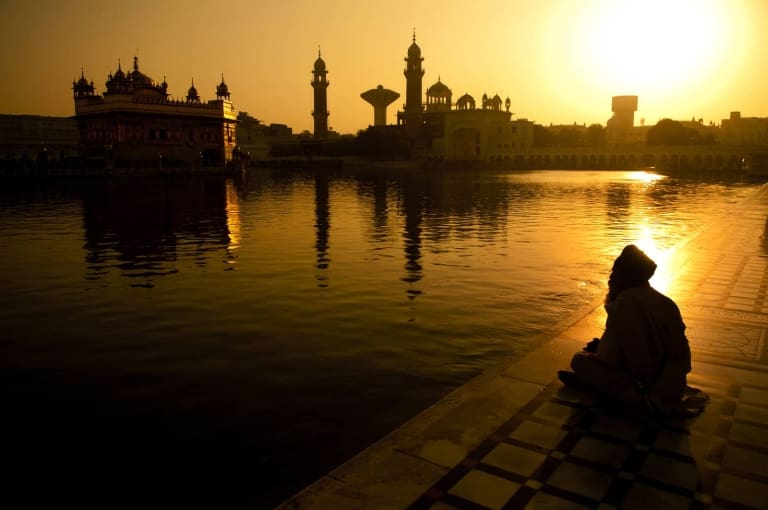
point(566, 450)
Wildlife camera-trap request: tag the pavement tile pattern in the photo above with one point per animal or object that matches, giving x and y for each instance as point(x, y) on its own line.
point(566, 450)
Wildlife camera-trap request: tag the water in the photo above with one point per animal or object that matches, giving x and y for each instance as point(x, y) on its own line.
point(219, 342)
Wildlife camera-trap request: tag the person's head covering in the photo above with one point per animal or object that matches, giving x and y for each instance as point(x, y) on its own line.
point(634, 264)
point(633, 268)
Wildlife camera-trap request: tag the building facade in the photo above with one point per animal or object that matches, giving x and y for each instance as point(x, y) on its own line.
point(37, 139)
point(465, 132)
point(737, 130)
point(135, 123)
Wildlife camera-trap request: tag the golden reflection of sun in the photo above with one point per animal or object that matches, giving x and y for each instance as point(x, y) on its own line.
point(643, 176)
point(233, 215)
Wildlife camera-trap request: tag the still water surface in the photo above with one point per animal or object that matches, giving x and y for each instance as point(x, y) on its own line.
point(210, 341)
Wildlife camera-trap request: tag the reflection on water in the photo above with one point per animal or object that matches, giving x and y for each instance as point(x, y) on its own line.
point(322, 223)
point(357, 300)
point(412, 197)
point(139, 228)
point(233, 223)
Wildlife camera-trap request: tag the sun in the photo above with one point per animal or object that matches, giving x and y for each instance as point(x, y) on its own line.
point(652, 47)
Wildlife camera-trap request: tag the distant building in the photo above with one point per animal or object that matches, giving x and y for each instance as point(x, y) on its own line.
point(738, 130)
point(620, 128)
point(36, 138)
point(256, 139)
point(465, 132)
point(320, 85)
point(136, 124)
point(459, 131)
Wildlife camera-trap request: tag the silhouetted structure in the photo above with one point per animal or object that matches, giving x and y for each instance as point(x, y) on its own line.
point(27, 140)
point(136, 124)
point(738, 130)
point(320, 84)
point(412, 117)
point(620, 127)
point(255, 139)
point(442, 130)
point(380, 98)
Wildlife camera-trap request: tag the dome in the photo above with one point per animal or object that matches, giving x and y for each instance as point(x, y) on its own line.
point(439, 89)
point(319, 64)
point(119, 74)
point(192, 94)
point(221, 89)
point(82, 87)
point(118, 83)
point(414, 51)
point(136, 76)
point(466, 102)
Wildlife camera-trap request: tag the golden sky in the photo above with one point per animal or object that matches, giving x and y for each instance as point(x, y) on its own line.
point(559, 61)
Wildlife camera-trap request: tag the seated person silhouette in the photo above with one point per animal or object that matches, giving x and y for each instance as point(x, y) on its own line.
point(643, 356)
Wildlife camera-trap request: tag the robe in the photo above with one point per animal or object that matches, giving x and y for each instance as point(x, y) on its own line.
point(643, 353)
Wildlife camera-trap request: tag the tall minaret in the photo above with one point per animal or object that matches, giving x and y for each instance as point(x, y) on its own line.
point(320, 84)
point(413, 74)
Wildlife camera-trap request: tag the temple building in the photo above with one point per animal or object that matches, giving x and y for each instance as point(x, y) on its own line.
point(459, 131)
point(135, 123)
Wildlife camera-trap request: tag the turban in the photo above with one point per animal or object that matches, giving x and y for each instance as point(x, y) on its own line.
point(634, 264)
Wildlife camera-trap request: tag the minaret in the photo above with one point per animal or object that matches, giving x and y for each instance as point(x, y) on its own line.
point(413, 106)
point(320, 84)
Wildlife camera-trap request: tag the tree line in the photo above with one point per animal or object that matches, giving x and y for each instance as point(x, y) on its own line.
point(665, 132)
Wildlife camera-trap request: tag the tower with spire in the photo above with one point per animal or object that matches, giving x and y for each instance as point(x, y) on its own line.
point(320, 85)
point(413, 74)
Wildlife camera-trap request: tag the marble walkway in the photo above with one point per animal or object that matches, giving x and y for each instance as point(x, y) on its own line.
point(514, 437)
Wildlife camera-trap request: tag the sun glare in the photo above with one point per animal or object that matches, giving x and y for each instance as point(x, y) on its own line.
point(653, 46)
point(661, 279)
point(645, 177)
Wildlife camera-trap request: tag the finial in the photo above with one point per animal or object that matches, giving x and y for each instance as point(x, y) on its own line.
point(118, 65)
point(318, 51)
point(414, 35)
point(136, 62)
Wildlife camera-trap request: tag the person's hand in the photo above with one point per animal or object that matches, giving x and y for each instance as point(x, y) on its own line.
point(592, 345)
